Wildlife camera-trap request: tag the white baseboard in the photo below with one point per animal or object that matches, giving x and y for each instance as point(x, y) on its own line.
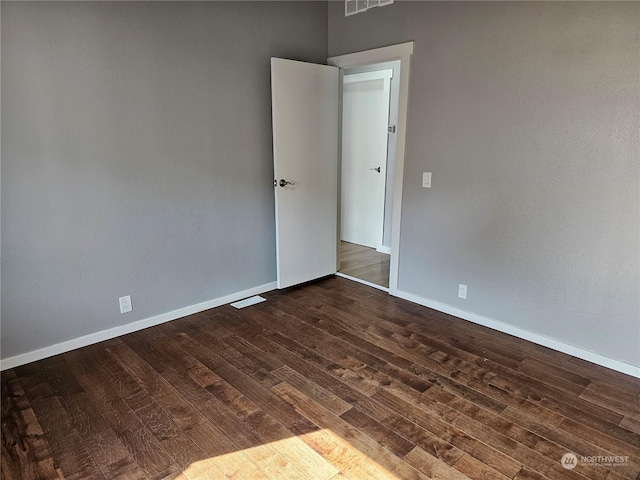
point(364, 282)
point(587, 355)
point(383, 249)
point(103, 335)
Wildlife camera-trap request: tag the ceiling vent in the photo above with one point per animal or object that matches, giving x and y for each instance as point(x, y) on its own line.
point(351, 7)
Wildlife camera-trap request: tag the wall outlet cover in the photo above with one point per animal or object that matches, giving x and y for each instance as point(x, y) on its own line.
point(125, 304)
point(462, 291)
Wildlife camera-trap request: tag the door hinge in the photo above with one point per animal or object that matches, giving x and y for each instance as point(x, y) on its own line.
point(391, 129)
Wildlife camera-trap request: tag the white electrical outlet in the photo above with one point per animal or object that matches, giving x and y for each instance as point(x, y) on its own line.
point(462, 291)
point(426, 179)
point(125, 304)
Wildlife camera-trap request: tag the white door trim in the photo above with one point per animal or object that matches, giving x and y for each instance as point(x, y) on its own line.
point(403, 53)
point(367, 76)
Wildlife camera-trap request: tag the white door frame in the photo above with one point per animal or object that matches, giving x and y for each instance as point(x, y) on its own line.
point(402, 52)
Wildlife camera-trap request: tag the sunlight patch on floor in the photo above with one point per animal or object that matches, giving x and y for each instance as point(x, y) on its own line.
point(318, 455)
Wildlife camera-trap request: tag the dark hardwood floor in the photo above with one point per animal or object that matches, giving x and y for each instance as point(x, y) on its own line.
point(364, 263)
point(332, 380)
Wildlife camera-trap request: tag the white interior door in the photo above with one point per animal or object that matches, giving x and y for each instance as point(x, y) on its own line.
point(305, 163)
point(365, 118)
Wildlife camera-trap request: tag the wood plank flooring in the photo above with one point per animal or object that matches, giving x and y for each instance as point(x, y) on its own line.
point(327, 381)
point(364, 263)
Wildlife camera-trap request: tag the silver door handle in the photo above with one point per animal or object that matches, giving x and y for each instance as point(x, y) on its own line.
point(284, 183)
point(377, 169)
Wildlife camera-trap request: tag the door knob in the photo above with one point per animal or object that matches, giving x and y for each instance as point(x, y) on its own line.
point(377, 169)
point(284, 183)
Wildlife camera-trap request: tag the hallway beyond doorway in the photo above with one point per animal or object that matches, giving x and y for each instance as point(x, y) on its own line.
point(364, 263)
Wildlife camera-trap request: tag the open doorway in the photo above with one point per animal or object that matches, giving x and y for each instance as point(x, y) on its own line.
point(370, 97)
point(372, 59)
point(307, 159)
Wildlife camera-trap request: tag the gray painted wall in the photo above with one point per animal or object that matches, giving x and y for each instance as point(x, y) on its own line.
point(528, 116)
point(136, 157)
